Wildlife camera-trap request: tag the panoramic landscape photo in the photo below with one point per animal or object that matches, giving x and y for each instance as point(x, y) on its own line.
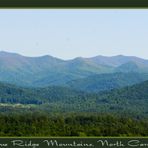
point(80, 73)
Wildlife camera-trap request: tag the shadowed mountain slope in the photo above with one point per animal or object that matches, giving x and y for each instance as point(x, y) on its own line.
point(102, 82)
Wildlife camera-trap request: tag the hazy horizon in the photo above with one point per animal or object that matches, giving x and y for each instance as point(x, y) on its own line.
point(67, 34)
point(73, 57)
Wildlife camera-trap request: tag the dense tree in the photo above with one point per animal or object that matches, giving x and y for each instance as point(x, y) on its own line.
point(29, 124)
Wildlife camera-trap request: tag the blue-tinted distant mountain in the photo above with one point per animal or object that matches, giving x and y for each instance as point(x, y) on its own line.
point(122, 63)
point(71, 70)
point(18, 69)
point(44, 70)
point(116, 61)
point(133, 67)
point(47, 70)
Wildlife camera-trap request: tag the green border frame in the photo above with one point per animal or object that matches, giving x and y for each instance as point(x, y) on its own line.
point(73, 3)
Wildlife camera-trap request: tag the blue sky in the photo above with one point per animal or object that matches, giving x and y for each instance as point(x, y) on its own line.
point(66, 33)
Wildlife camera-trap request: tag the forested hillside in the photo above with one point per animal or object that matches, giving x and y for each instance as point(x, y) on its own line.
point(132, 99)
point(102, 82)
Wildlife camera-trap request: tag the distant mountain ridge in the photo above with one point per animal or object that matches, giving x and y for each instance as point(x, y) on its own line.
point(47, 70)
point(118, 60)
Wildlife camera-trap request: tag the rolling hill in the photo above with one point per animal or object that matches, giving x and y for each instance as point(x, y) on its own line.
point(131, 99)
point(102, 82)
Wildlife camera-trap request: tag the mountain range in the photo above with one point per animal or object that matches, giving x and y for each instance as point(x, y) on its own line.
point(98, 84)
point(48, 71)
